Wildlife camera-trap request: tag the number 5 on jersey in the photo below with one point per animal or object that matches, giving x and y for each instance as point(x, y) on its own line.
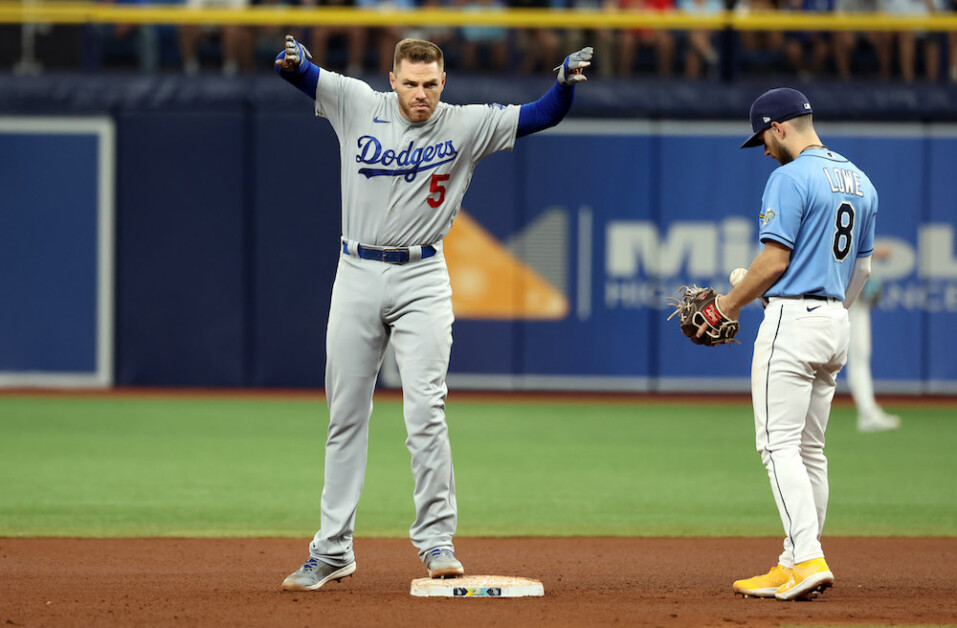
point(436, 187)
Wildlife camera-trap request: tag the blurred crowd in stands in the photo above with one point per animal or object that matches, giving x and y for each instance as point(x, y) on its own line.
point(696, 55)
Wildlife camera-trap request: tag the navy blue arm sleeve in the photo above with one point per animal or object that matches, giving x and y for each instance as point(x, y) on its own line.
point(306, 76)
point(547, 111)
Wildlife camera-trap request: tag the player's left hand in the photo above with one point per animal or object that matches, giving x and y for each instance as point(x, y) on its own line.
point(701, 319)
point(572, 71)
point(295, 53)
point(729, 311)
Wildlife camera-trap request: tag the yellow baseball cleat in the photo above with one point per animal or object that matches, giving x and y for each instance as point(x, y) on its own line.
point(807, 578)
point(763, 586)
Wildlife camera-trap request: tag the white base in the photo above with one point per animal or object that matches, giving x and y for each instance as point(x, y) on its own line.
point(477, 586)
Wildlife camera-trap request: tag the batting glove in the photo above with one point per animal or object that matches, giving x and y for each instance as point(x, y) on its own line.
point(295, 53)
point(572, 70)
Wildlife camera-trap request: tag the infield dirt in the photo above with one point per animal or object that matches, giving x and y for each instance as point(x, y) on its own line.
point(588, 582)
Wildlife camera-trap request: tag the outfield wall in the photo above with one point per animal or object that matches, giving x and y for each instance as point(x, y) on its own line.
point(653, 206)
point(227, 225)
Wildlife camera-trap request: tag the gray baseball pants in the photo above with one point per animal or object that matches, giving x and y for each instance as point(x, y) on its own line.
point(373, 301)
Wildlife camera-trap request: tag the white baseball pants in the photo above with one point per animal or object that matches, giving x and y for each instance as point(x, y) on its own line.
point(859, 377)
point(800, 348)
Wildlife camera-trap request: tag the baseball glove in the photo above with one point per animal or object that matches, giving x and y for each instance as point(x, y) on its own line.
point(695, 306)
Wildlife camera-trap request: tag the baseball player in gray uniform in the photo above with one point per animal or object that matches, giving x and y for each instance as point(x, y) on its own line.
point(407, 159)
point(817, 226)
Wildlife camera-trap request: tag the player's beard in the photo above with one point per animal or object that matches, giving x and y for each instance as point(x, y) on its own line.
point(414, 114)
point(779, 152)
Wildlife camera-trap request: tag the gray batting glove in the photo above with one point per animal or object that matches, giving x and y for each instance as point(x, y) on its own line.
point(573, 69)
point(295, 53)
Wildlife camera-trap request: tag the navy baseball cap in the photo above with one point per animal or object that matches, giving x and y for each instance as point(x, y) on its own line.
point(776, 105)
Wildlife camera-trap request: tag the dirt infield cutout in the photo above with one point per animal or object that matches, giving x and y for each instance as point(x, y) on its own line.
point(588, 582)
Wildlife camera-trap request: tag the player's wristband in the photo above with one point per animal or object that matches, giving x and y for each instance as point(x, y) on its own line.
point(547, 111)
point(305, 78)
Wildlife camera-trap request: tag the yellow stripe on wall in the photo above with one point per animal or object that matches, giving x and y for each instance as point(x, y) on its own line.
point(91, 12)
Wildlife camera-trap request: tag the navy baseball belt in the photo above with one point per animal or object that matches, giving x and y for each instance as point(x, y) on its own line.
point(813, 297)
point(389, 255)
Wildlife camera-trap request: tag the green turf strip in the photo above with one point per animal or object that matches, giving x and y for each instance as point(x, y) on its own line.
point(187, 467)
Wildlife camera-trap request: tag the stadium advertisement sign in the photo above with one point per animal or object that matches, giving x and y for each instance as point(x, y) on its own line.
point(617, 217)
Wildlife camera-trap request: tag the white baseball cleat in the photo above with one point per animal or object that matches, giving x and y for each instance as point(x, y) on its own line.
point(878, 421)
point(314, 573)
point(442, 563)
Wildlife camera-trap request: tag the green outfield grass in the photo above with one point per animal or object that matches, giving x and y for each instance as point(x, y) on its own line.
point(218, 467)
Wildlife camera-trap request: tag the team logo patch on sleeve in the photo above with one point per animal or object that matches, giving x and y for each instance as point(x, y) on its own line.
point(767, 216)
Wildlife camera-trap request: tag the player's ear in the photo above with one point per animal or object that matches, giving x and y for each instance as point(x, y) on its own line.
point(392, 80)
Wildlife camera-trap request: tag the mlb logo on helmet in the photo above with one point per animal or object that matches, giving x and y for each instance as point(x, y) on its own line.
point(776, 105)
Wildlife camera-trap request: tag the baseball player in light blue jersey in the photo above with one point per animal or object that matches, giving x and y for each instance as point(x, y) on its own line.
point(406, 161)
point(817, 226)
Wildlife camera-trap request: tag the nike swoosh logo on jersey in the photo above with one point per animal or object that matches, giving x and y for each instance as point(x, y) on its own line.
point(378, 121)
point(811, 309)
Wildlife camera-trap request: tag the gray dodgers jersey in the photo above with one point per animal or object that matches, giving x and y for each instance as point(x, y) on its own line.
point(403, 182)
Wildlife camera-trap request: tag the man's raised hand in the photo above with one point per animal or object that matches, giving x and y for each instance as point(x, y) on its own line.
point(571, 71)
point(295, 53)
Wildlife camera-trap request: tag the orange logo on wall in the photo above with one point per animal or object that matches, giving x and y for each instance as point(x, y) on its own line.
point(489, 282)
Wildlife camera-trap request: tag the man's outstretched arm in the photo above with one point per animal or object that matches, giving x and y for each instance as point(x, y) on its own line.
point(549, 110)
point(293, 64)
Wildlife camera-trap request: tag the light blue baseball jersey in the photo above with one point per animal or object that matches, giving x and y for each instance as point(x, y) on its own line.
point(823, 208)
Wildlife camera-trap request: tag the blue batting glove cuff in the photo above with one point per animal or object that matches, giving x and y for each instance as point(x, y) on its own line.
point(304, 65)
